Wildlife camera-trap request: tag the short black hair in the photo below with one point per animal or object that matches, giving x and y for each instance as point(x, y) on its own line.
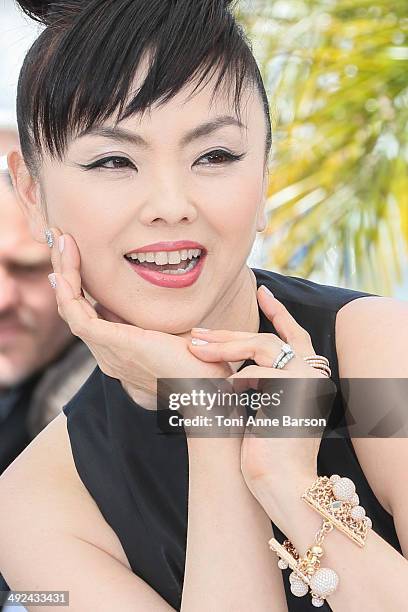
point(80, 70)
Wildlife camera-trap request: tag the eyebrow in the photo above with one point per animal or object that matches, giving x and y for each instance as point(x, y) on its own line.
point(127, 136)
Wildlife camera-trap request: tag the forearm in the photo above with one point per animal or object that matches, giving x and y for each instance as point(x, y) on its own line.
point(370, 578)
point(228, 562)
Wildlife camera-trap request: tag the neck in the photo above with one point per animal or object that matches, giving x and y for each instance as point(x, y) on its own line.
point(237, 308)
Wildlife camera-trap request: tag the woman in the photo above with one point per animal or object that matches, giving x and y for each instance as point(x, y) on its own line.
point(98, 504)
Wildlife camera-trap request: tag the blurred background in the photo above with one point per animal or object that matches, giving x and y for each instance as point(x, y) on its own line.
point(336, 72)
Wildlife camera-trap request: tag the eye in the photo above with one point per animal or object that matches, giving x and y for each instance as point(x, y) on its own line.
point(219, 157)
point(110, 163)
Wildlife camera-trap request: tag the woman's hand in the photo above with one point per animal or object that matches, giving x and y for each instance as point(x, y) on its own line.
point(135, 356)
point(269, 462)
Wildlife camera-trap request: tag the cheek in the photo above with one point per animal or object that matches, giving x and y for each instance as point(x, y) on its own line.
point(232, 205)
point(95, 217)
point(86, 206)
point(96, 214)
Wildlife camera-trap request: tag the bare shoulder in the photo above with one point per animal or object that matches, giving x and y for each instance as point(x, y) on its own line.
point(42, 488)
point(372, 342)
point(53, 537)
point(369, 331)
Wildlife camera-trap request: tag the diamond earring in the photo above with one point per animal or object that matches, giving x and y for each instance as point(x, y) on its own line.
point(50, 238)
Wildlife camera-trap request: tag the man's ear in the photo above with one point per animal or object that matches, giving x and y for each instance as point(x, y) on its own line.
point(261, 220)
point(28, 194)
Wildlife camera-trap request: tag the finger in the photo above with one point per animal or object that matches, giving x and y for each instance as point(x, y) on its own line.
point(287, 327)
point(71, 264)
point(77, 312)
point(68, 264)
point(241, 384)
point(247, 378)
point(254, 372)
point(82, 318)
point(262, 348)
point(89, 309)
point(55, 254)
point(223, 351)
point(221, 335)
point(84, 322)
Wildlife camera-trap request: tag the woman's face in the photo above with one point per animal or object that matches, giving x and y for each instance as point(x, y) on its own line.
point(169, 176)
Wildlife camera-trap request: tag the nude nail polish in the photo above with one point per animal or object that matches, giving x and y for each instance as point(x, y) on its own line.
point(198, 341)
point(267, 290)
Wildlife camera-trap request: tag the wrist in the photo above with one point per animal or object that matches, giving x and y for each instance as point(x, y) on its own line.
point(281, 499)
point(215, 460)
point(214, 448)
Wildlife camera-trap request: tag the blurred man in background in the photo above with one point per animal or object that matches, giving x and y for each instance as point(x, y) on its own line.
point(42, 364)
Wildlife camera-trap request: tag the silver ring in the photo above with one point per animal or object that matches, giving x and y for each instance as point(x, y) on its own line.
point(285, 360)
point(284, 356)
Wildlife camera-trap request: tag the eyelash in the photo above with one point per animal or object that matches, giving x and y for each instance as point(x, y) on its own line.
point(231, 157)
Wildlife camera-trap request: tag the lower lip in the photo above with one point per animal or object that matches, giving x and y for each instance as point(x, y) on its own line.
point(173, 281)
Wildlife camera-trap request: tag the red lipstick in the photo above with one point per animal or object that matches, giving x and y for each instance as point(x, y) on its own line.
point(163, 279)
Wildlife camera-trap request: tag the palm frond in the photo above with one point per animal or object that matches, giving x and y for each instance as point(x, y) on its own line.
point(337, 77)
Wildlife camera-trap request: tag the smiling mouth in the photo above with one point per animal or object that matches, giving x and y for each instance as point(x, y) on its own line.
point(168, 262)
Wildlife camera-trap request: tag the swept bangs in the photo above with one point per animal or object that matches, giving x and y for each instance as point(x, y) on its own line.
point(82, 68)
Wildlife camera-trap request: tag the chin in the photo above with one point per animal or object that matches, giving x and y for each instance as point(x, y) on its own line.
point(165, 328)
point(158, 323)
point(148, 315)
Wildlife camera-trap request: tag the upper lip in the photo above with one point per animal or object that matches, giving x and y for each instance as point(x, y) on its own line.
point(176, 245)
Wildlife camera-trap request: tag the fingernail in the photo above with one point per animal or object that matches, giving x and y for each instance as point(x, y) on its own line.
point(200, 329)
point(50, 238)
point(53, 280)
point(268, 291)
point(198, 341)
point(61, 241)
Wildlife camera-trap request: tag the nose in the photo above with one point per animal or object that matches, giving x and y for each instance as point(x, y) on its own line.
point(9, 290)
point(167, 205)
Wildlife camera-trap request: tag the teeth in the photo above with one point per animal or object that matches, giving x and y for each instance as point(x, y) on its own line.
point(180, 271)
point(161, 258)
point(174, 257)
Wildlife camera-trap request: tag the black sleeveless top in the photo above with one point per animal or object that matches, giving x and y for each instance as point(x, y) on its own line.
point(138, 475)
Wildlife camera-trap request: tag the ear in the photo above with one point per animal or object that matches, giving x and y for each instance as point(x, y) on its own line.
point(28, 193)
point(261, 220)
